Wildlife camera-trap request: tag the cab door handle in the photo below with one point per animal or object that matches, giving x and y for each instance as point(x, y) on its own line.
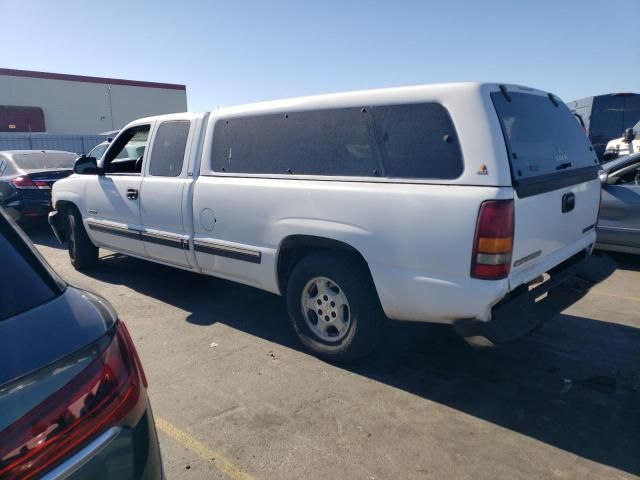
point(568, 202)
point(132, 193)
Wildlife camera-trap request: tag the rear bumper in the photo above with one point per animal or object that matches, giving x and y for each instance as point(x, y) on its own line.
point(520, 312)
point(24, 210)
point(125, 452)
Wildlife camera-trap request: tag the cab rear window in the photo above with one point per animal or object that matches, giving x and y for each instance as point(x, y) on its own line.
point(542, 136)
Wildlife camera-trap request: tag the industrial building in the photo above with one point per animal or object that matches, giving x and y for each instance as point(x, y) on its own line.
point(72, 104)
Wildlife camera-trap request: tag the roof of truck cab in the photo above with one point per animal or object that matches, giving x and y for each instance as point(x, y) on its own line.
point(436, 92)
point(167, 116)
point(415, 93)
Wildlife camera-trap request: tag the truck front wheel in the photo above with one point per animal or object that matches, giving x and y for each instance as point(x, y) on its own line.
point(334, 307)
point(82, 253)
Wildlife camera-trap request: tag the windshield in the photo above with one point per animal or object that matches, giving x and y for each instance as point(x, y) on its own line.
point(46, 160)
point(541, 138)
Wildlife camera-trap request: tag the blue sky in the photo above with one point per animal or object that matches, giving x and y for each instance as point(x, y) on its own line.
point(237, 51)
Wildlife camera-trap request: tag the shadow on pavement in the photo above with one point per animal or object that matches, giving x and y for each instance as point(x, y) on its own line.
point(40, 233)
point(573, 384)
point(626, 261)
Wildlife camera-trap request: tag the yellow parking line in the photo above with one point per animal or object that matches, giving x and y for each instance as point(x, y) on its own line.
point(217, 460)
point(634, 299)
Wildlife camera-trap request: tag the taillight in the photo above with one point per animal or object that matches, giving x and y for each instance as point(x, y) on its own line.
point(493, 243)
point(108, 392)
point(24, 182)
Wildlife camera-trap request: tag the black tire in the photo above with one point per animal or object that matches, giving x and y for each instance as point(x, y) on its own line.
point(82, 253)
point(365, 315)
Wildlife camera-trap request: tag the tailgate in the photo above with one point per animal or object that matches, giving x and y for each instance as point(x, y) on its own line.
point(555, 178)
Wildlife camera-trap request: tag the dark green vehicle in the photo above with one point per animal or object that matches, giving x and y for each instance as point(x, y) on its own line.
point(73, 394)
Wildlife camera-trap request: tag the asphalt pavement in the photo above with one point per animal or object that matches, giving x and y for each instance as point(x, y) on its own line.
point(235, 396)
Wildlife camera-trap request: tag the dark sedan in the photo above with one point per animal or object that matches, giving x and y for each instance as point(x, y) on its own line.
point(26, 177)
point(73, 396)
point(619, 221)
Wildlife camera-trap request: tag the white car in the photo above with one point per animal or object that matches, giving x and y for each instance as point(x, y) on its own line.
point(443, 203)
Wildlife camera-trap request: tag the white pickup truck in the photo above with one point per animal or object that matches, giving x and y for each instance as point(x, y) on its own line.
point(468, 204)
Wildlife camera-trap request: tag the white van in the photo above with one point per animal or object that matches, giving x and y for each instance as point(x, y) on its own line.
point(444, 203)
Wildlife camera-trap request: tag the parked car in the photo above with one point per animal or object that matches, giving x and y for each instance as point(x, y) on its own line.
point(434, 203)
point(73, 394)
point(605, 117)
point(619, 222)
point(26, 177)
point(97, 151)
point(627, 144)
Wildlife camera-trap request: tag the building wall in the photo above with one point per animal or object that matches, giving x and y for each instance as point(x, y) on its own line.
point(81, 107)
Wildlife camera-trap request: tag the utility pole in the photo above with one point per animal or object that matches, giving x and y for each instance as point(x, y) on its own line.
point(110, 108)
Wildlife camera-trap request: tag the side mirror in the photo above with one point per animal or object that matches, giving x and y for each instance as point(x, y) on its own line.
point(629, 135)
point(604, 176)
point(86, 166)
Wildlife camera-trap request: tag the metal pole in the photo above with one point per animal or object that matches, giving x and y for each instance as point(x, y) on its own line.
point(110, 108)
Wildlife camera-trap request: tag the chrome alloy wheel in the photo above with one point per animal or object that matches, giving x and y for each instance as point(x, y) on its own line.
point(326, 309)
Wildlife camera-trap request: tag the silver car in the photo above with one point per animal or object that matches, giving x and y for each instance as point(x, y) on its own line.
point(619, 221)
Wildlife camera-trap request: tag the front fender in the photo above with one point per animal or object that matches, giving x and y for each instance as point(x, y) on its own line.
point(69, 190)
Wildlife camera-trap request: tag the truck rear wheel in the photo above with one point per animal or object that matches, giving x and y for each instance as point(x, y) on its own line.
point(82, 253)
point(334, 307)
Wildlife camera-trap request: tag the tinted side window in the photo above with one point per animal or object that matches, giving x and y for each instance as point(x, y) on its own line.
point(18, 265)
point(417, 141)
point(5, 168)
point(631, 111)
point(168, 148)
point(323, 142)
point(606, 119)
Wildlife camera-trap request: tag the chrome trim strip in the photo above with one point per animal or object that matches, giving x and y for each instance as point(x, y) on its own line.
point(82, 457)
point(166, 239)
point(228, 251)
point(114, 230)
point(93, 223)
point(169, 236)
point(617, 248)
point(617, 229)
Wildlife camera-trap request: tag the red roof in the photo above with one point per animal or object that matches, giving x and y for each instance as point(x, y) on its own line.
point(80, 78)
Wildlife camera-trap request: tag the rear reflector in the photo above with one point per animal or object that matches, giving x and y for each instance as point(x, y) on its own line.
point(493, 243)
point(107, 393)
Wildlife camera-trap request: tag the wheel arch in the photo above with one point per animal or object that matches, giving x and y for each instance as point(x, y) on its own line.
point(295, 247)
point(62, 207)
